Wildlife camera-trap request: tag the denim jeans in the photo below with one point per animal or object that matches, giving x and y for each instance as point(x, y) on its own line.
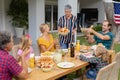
point(91, 74)
point(63, 45)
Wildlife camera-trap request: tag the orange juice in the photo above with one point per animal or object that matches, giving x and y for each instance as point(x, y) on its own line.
point(78, 45)
point(32, 61)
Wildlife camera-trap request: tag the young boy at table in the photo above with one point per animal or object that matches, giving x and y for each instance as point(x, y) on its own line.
point(98, 61)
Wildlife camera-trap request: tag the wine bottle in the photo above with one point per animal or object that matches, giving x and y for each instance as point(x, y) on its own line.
point(72, 50)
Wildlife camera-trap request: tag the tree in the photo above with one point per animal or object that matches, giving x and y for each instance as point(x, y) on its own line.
point(109, 9)
point(18, 11)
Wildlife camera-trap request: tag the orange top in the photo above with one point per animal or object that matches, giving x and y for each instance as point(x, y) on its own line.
point(46, 43)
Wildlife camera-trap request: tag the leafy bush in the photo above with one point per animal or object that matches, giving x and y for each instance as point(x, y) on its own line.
point(18, 11)
point(98, 28)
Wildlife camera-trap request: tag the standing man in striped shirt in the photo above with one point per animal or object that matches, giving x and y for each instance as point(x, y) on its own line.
point(69, 21)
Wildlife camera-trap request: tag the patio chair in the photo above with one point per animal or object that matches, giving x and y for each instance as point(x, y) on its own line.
point(115, 72)
point(105, 72)
point(111, 55)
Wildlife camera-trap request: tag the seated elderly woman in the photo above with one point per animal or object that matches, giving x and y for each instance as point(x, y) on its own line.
point(46, 41)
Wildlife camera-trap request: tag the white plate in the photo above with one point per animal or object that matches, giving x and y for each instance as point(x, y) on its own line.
point(87, 55)
point(65, 64)
point(84, 51)
point(65, 50)
point(94, 47)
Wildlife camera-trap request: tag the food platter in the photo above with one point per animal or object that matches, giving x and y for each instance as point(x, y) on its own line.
point(63, 31)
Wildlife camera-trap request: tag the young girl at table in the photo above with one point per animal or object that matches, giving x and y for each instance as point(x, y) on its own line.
point(99, 60)
point(26, 43)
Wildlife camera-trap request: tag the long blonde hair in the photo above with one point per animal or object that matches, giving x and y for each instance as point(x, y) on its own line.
point(25, 42)
point(43, 27)
point(102, 53)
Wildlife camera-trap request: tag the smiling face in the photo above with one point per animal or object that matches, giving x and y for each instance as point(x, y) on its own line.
point(105, 26)
point(47, 28)
point(67, 13)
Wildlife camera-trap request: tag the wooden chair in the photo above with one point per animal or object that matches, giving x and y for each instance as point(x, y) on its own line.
point(111, 55)
point(115, 72)
point(105, 72)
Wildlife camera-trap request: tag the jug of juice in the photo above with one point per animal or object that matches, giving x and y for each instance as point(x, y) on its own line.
point(78, 45)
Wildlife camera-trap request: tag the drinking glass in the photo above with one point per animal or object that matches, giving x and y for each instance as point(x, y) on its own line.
point(57, 57)
point(57, 44)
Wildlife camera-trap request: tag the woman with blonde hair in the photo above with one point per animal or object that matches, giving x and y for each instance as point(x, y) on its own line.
point(100, 59)
point(46, 41)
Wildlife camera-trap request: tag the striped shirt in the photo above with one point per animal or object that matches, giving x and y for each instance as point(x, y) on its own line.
point(70, 24)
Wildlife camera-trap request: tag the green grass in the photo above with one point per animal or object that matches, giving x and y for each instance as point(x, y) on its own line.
point(117, 47)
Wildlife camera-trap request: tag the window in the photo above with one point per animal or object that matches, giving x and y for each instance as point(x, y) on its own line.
point(91, 15)
point(51, 15)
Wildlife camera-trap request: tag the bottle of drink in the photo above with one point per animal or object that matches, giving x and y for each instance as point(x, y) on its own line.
point(72, 50)
point(78, 45)
point(32, 61)
point(69, 50)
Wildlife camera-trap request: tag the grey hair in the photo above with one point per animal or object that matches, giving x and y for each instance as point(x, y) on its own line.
point(68, 7)
point(5, 38)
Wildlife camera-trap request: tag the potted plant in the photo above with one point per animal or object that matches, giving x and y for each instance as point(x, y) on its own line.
point(18, 11)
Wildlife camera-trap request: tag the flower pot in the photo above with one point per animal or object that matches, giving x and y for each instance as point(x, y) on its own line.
point(19, 32)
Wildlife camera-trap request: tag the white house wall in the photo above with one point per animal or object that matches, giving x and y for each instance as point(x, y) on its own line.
point(36, 17)
point(1, 20)
point(5, 24)
point(2, 15)
point(94, 4)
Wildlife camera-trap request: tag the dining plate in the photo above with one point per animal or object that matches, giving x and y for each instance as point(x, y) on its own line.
point(88, 55)
point(84, 51)
point(65, 64)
